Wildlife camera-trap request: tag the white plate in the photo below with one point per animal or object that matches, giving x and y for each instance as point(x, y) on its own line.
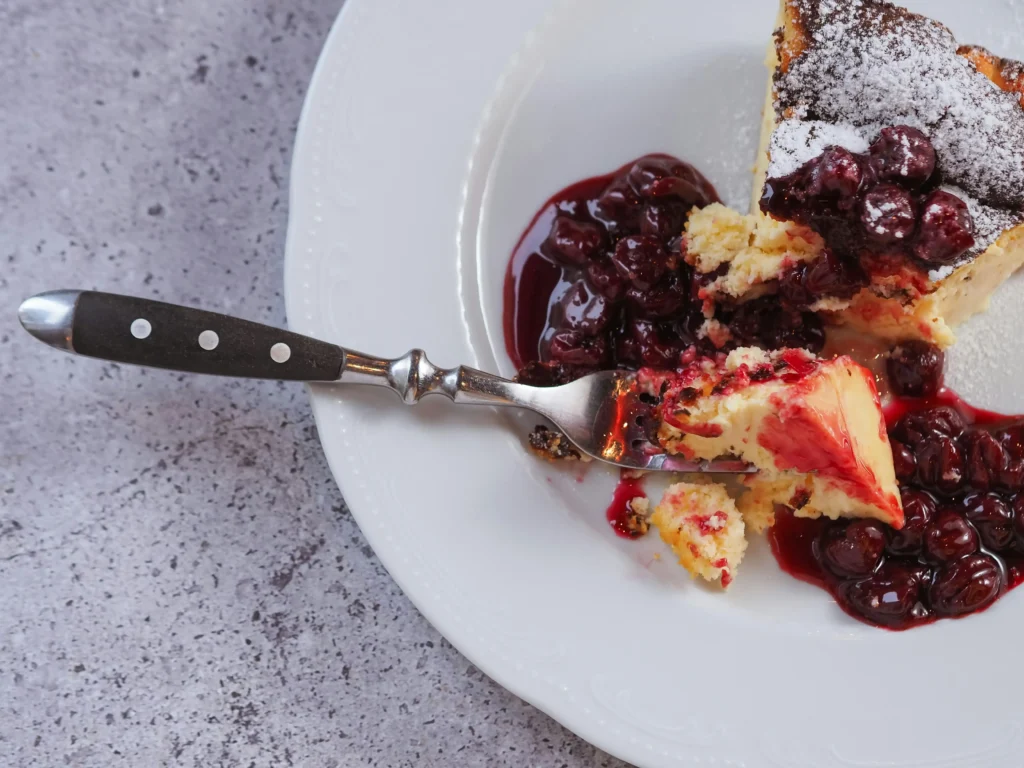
point(431, 133)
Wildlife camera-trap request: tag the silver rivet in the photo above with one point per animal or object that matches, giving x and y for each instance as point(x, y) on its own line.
point(280, 352)
point(141, 328)
point(209, 340)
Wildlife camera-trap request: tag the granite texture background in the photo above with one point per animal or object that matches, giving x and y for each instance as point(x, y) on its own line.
point(180, 581)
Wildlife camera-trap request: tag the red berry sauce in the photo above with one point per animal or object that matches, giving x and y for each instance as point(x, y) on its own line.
point(621, 511)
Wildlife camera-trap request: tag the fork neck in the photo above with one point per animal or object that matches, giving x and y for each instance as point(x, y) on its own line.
point(413, 377)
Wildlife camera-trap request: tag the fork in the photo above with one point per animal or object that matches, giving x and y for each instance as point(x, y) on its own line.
point(605, 415)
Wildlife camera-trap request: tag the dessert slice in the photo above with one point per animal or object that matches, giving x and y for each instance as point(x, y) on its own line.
point(903, 152)
point(813, 428)
point(704, 528)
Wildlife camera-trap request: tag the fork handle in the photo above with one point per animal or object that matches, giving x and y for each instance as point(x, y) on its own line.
point(126, 329)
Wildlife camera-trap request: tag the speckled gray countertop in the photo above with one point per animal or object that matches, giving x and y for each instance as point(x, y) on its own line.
point(180, 581)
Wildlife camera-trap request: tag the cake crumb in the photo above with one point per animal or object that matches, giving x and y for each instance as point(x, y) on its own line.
point(638, 513)
point(704, 528)
point(552, 445)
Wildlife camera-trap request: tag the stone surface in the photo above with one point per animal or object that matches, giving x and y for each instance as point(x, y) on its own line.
point(181, 581)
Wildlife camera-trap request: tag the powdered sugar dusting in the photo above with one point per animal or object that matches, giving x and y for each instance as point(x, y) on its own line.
point(869, 65)
point(797, 141)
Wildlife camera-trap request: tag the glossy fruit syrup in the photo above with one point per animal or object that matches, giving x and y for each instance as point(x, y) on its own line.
point(621, 514)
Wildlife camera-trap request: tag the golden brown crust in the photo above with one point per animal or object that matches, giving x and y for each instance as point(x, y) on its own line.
point(791, 37)
point(1006, 73)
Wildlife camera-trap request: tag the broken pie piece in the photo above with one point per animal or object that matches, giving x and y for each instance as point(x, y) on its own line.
point(813, 428)
point(902, 151)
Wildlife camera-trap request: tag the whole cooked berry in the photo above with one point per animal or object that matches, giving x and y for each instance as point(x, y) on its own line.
point(889, 597)
point(888, 215)
point(918, 510)
point(903, 461)
point(585, 311)
point(765, 323)
point(1018, 518)
point(965, 585)
point(641, 259)
point(576, 349)
point(836, 175)
point(572, 242)
point(946, 229)
point(827, 276)
point(916, 427)
point(903, 155)
point(663, 220)
point(987, 459)
point(993, 519)
point(619, 208)
point(606, 279)
point(854, 549)
point(915, 368)
point(648, 343)
point(949, 537)
point(664, 179)
point(665, 299)
point(940, 463)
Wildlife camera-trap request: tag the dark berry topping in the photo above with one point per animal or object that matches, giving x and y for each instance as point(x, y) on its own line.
point(667, 298)
point(836, 176)
point(918, 511)
point(873, 210)
point(585, 311)
point(987, 459)
point(949, 537)
point(641, 259)
point(993, 519)
point(538, 374)
point(890, 597)
point(826, 276)
point(765, 323)
point(915, 368)
point(1012, 476)
point(946, 230)
point(855, 549)
point(606, 279)
point(572, 242)
point(663, 220)
point(965, 585)
point(916, 427)
point(903, 461)
point(903, 155)
point(575, 348)
point(1012, 439)
point(619, 208)
point(645, 343)
point(664, 179)
point(888, 215)
point(940, 463)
